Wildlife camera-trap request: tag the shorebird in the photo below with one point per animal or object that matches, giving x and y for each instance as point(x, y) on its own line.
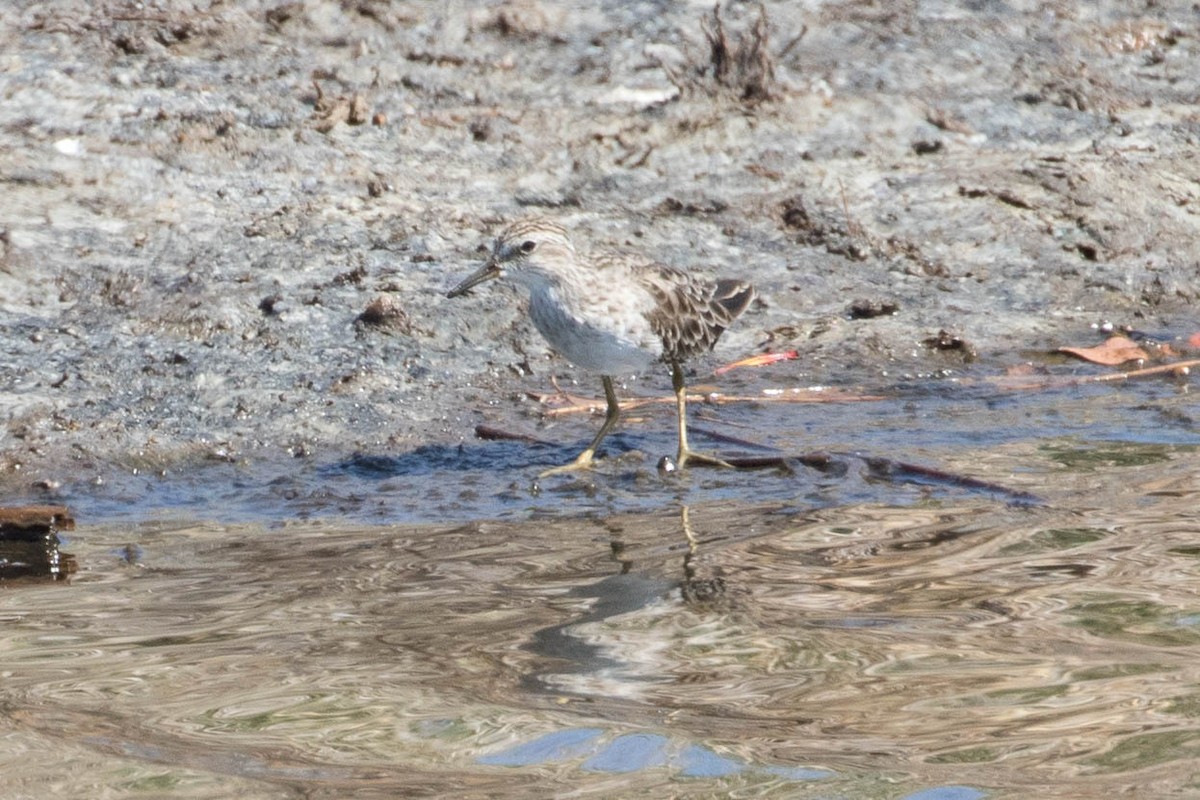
point(615, 315)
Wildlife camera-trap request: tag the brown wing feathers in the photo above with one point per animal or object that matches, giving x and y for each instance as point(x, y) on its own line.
point(691, 314)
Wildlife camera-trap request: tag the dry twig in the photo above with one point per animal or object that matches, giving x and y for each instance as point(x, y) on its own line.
point(1027, 383)
point(580, 405)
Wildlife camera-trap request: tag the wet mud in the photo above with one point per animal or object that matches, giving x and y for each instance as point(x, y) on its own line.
point(227, 228)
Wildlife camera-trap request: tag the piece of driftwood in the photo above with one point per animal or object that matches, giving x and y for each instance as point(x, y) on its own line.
point(829, 463)
point(29, 543)
point(490, 433)
point(32, 523)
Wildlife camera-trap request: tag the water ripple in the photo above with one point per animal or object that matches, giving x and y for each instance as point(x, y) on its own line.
point(935, 650)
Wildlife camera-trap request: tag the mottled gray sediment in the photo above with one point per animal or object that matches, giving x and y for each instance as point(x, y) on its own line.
point(190, 231)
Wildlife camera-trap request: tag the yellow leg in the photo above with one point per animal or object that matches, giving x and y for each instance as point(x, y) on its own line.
point(686, 453)
point(584, 460)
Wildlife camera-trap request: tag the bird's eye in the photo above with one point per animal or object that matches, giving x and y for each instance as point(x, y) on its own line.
point(528, 246)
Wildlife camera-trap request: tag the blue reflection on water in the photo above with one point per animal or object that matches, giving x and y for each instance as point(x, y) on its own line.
point(947, 793)
point(800, 773)
point(632, 752)
point(700, 762)
point(555, 746)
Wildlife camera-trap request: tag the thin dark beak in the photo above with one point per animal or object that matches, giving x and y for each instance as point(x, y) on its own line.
point(487, 272)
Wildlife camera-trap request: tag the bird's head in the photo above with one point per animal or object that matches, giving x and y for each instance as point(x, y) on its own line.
point(529, 251)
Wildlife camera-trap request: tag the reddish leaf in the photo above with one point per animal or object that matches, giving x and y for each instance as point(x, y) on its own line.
point(1117, 350)
point(758, 361)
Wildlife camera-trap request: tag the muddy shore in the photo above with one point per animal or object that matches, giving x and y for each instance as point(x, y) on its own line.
point(200, 201)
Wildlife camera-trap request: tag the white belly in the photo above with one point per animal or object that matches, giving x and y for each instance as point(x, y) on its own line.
point(623, 346)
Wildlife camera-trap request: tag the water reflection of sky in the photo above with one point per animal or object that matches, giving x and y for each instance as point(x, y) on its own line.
point(632, 752)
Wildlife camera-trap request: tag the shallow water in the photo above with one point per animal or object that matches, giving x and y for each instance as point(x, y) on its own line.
point(861, 651)
point(969, 430)
point(766, 634)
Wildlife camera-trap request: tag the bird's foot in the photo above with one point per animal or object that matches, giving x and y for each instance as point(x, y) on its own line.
point(699, 459)
point(583, 461)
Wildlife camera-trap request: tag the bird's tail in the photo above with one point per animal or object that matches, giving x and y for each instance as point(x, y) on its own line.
point(733, 297)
